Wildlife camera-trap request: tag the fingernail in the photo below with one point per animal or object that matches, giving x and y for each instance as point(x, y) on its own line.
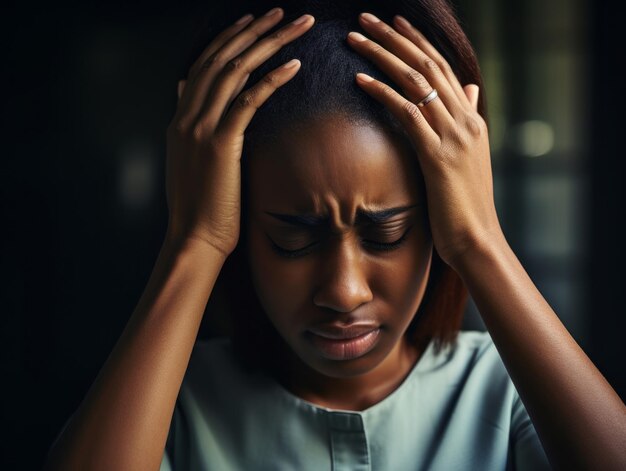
point(273, 11)
point(291, 64)
point(300, 20)
point(244, 19)
point(369, 18)
point(364, 77)
point(357, 36)
point(402, 21)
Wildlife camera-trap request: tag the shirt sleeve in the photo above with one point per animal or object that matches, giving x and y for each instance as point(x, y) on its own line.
point(528, 454)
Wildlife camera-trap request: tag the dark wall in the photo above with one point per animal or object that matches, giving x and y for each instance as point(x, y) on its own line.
point(607, 267)
point(88, 93)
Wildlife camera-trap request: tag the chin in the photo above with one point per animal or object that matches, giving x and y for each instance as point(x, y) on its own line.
point(344, 368)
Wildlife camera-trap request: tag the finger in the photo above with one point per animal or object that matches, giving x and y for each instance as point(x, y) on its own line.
point(416, 37)
point(233, 78)
point(239, 42)
point(471, 91)
point(412, 55)
point(412, 82)
point(219, 41)
point(408, 113)
point(241, 112)
point(218, 53)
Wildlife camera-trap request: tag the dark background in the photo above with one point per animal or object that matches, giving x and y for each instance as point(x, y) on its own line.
point(89, 90)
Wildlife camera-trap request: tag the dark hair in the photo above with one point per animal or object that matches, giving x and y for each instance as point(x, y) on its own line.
point(326, 59)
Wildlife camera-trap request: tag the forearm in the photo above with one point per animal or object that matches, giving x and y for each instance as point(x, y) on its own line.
point(579, 418)
point(123, 421)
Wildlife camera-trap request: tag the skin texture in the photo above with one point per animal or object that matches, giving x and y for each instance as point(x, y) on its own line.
point(123, 421)
point(333, 170)
point(579, 418)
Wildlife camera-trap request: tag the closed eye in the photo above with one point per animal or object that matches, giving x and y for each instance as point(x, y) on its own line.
point(387, 245)
point(372, 244)
point(293, 253)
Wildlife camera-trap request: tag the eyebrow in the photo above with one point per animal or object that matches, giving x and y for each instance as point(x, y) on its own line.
point(371, 216)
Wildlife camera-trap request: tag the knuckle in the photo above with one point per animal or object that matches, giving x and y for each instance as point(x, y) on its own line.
point(213, 59)
point(475, 126)
point(387, 91)
point(234, 65)
point(256, 32)
point(278, 35)
point(245, 100)
point(270, 79)
point(197, 133)
point(389, 32)
point(377, 49)
point(445, 67)
point(415, 78)
point(431, 65)
point(412, 112)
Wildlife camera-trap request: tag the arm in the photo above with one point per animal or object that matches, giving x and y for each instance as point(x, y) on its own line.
point(579, 418)
point(123, 422)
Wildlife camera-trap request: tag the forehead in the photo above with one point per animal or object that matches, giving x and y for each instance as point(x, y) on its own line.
point(333, 165)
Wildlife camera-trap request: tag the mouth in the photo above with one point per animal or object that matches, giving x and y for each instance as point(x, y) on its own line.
point(336, 342)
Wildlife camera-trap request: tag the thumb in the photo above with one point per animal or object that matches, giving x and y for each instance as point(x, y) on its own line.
point(471, 91)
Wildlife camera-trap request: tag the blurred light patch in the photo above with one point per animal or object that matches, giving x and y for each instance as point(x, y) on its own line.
point(137, 175)
point(555, 208)
point(531, 138)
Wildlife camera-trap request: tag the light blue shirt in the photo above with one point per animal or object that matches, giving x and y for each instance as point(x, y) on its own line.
point(456, 410)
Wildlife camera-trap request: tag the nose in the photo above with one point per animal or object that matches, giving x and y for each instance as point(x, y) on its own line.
point(343, 284)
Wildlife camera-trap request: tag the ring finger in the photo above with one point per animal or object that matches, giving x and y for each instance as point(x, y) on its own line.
point(412, 53)
point(413, 83)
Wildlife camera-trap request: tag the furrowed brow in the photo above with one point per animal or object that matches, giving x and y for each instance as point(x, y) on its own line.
point(380, 216)
point(363, 216)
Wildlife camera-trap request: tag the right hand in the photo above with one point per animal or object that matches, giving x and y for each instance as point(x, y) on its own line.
point(205, 138)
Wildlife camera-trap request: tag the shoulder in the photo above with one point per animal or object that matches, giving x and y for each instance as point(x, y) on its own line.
point(470, 350)
point(213, 359)
point(471, 375)
point(476, 354)
point(475, 347)
point(215, 373)
point(474, 341)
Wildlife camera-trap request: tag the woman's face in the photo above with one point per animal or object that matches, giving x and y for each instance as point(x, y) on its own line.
point(339, 247)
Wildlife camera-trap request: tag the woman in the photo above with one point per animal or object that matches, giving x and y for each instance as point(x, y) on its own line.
point(352, 205)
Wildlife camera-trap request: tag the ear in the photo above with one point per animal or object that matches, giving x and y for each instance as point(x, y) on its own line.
point(471, 91)
point(181, 87)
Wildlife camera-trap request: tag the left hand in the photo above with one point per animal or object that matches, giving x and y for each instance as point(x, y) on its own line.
point(449, 136)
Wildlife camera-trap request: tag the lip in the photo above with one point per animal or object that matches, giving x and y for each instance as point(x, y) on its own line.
point(342, 332)
point(336, 342)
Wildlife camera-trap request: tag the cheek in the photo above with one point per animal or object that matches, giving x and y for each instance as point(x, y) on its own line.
point(401, 282)
point(282, 288)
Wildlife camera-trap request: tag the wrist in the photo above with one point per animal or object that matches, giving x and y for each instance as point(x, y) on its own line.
point(192, 246)
point(479, 249)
